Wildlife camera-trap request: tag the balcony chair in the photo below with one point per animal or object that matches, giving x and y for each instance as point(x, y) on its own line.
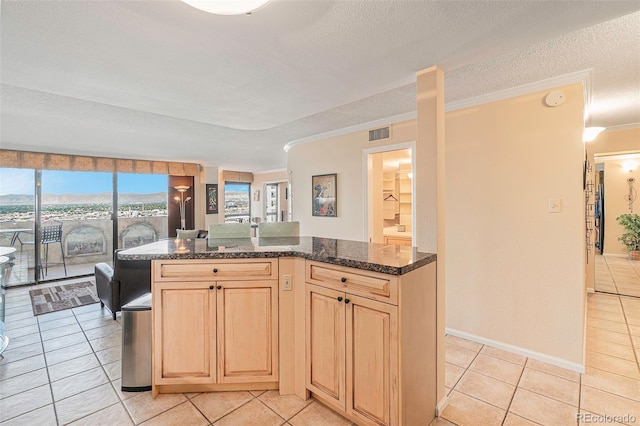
point(49, 234)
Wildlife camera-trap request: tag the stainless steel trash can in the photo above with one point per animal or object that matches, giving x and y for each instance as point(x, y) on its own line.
point(136, 344)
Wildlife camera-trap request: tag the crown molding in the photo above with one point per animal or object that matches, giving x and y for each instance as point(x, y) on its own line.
point(356, 128)
point(583, 77)
point(619, 127)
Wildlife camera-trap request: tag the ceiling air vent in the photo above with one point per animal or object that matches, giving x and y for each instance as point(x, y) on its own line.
point(377, 134)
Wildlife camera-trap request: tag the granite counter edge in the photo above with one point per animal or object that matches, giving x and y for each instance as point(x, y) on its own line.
point(351, 263)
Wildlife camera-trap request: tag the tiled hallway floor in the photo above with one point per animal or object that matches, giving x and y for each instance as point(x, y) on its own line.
point(64, 368)
point(617, 275)
point(488, 386)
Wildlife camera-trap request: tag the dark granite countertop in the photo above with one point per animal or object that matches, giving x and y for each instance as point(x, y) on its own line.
point(388, 259)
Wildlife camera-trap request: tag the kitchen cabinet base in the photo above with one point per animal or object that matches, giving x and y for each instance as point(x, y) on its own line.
point(214, 387)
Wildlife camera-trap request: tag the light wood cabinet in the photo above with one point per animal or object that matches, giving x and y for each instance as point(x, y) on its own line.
point(368, 340)
point(248, 331)
point(352, 354)
point(207, 332)
point(185, 318)
point(398, 241)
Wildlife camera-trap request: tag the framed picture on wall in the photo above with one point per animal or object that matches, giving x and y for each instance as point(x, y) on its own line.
point(324, 195)
point(212, 198)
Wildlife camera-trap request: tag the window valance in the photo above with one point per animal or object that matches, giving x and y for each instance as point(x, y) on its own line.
point(45, 161)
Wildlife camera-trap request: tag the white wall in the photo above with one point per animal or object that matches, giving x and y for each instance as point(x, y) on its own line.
point(341, 155)
point(515, 273)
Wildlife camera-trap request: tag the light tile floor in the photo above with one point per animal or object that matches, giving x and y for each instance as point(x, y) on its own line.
point(617, 275)
point(488, 386)
point(64, 368)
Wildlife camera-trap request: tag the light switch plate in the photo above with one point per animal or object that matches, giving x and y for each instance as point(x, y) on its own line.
point(286, 283)
point(555, 205)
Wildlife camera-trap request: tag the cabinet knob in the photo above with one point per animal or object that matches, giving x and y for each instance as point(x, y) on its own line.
point(340, 299)
point(215, 270)
point(210, 287)
point(347, 300)
point(219, 287)
point(343, 279)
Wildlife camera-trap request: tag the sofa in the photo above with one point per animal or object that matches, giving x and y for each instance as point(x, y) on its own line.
point(126, 281)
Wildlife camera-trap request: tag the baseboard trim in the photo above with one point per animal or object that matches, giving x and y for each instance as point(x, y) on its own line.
point(573, 366)
point(441, 406)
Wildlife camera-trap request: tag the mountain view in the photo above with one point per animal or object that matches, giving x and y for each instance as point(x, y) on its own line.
point(100, 198)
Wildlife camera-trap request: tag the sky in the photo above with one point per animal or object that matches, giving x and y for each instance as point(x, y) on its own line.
point(21, 181)
point(236, 187)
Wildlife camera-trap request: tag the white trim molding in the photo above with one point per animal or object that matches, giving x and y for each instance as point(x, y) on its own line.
point(518, 350)
point(351, 129)
point(583, 77)
point(619, 127)
point(442, 404)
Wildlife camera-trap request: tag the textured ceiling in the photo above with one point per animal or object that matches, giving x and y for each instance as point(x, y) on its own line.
point(161, 80)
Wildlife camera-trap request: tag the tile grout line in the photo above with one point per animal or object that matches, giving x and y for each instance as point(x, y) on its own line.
point(514, 391)
point(611, 275)
point(103, 370)
point(46, 365)
point(633, 347)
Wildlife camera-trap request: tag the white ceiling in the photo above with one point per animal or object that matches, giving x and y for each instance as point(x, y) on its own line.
point(162, 80)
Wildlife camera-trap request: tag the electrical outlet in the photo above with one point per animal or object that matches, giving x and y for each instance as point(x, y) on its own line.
point(286, 283)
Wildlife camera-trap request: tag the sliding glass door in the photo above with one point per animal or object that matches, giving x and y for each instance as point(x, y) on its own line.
point(59, 224)
point(17, 225)
point(76, 225)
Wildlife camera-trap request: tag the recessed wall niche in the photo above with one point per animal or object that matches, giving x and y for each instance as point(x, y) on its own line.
point(138, 234)
point(85, 240)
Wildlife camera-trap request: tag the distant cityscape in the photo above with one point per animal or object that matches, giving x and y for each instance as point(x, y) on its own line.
point(20, 207)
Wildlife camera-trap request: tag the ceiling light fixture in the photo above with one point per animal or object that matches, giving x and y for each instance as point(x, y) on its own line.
point(589, 134)
point(227, 7)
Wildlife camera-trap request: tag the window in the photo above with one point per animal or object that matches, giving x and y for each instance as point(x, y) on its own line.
point(75, 218)
point(237, 202)
point(142, 209)
point(17, 214)
point(271, 202)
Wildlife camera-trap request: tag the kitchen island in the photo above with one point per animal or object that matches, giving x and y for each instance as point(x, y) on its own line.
point(352, 323)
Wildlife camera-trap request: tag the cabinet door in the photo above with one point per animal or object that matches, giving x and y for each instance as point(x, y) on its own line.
point(325, 344)
point(248, 331)
point(184, 333)
point(372, 361)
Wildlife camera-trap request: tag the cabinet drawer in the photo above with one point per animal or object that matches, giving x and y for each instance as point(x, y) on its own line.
point(398, 241)
point(219, 270)
point(364, 283)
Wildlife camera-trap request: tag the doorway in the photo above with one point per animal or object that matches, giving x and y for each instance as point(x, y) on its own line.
point(390, 195)
point(617, 177)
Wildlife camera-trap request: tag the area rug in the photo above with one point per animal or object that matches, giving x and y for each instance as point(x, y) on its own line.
point(62, 297)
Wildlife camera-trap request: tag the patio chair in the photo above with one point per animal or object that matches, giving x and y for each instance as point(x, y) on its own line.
point(49, 234)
